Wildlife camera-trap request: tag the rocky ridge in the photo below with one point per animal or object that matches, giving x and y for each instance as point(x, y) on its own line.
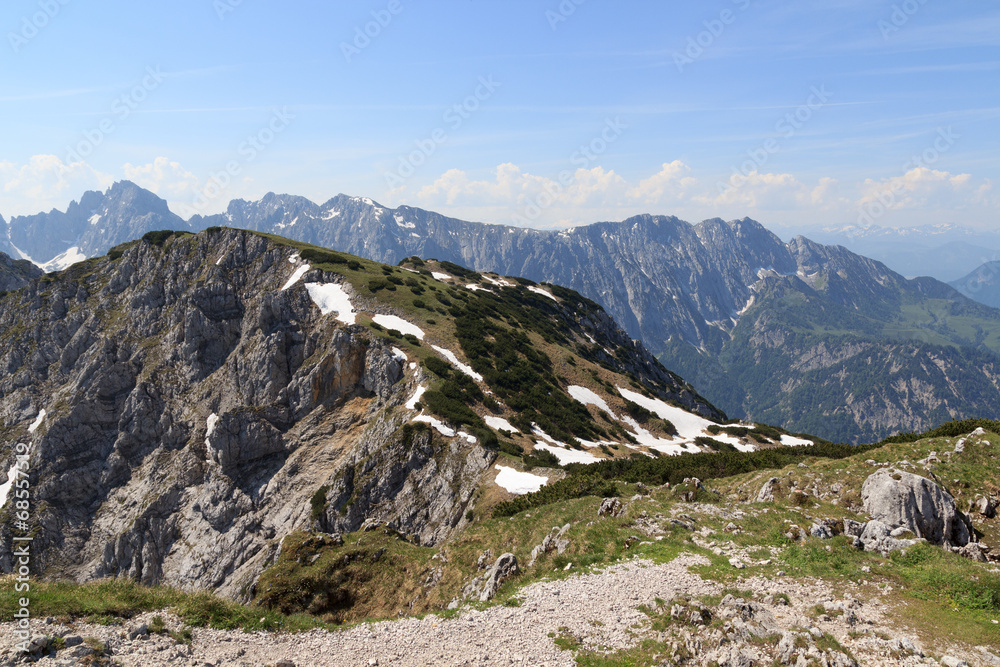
point(191, 400)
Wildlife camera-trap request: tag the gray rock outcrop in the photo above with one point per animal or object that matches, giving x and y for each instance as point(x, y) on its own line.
point(485, 586)
point(196, 413)
point(16, 273)
point(502, 570)
point(902, 500)
point(554, 541)
point(766, 493)
point(611, 507)
point(986, 506)
point(878, 537)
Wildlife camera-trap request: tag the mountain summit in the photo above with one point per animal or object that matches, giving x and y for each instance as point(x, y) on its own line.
point(90, 227)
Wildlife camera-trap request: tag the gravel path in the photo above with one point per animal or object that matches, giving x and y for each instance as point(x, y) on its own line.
point(495, 636)
point(600, 608)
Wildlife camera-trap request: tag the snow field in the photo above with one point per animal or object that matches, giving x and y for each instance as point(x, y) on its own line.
point(399, 324)
point(588, 397)
point(517, 482)
point(331, 298)
point(499, 424)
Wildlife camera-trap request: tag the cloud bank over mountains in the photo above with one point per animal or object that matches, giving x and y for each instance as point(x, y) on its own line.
point(511, 194)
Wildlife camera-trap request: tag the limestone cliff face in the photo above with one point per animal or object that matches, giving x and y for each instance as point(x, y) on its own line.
point(193, 409)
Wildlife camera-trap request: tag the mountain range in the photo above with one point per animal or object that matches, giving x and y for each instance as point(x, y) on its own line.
point(815, 338)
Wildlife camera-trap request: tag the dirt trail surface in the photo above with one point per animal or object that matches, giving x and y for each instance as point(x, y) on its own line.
point(598, 610)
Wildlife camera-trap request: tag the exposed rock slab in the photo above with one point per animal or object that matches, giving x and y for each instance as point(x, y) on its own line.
point(903, 500)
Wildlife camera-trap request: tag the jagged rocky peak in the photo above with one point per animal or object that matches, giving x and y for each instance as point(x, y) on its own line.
point(125, 197)
point(190, 399)
point(91, 226)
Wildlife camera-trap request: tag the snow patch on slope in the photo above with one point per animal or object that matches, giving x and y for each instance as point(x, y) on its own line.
point(399, 324)
point(569, 455)
point(299, 272)
point(331, 298)
point(517, 482)
point(450, 356)
point(588, 397)
point(662, 445)
point(539, 290)
point(60, 262)
point(212, 420)
point(499, 424)
point(792, 441)
point(561, 450)
point(38, 421)
point(412, 403)
point(499, 282)
point(689, 426)
point(438, 425)
point(11, 477)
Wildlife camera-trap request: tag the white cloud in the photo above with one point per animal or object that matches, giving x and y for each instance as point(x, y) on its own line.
point(46, 182)
point(922, 188)
point(512, 195)
point(671, 183)
point(758, 191)
point(517, 189)
point(164, 178)
point(515, 196)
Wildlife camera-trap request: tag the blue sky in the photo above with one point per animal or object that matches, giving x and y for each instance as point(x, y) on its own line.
point(541, 113)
